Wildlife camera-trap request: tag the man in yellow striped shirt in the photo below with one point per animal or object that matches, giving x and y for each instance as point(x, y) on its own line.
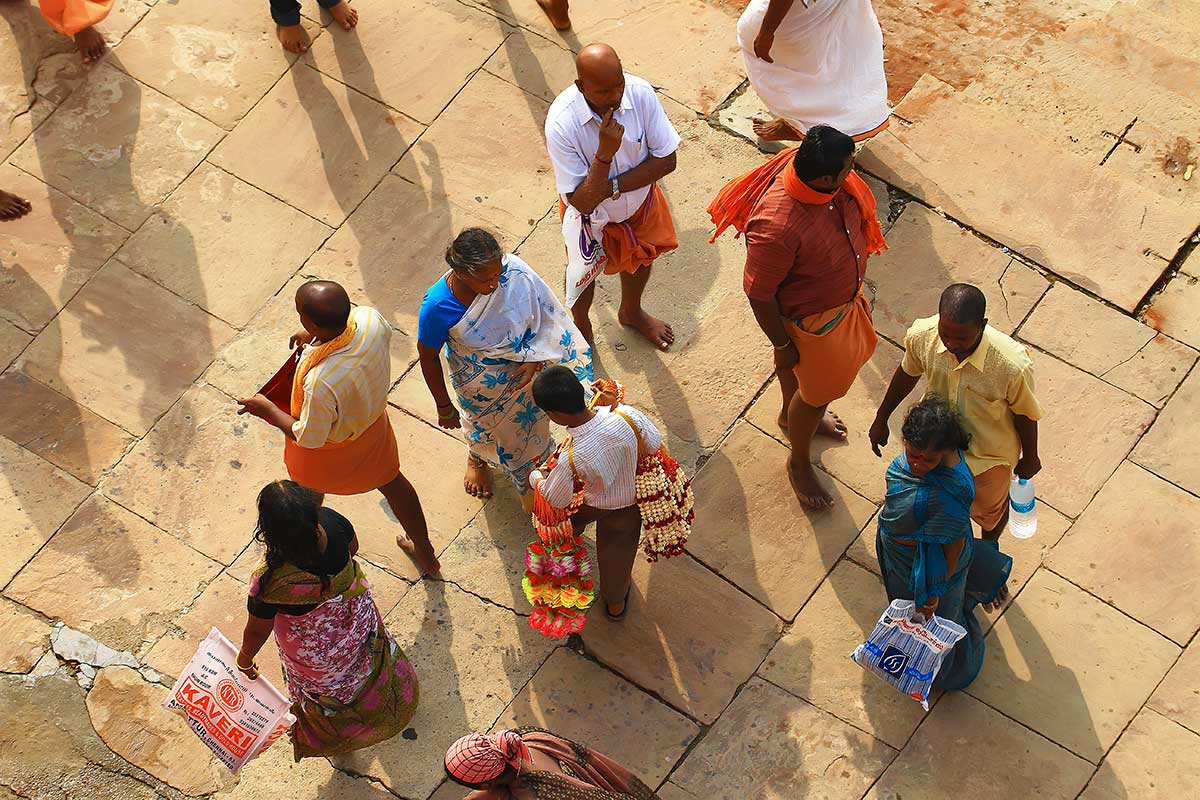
point(338, 438)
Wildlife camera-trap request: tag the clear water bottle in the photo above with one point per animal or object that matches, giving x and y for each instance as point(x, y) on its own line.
point(1022, 508)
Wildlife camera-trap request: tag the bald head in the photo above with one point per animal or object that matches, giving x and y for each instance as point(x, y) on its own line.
point(964, 304)
point(600, 77)
point(323, 305)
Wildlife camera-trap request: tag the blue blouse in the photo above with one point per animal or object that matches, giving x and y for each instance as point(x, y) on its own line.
point(440, 311)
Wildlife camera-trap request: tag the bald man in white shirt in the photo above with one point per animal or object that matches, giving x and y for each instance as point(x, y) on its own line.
point(611, 142)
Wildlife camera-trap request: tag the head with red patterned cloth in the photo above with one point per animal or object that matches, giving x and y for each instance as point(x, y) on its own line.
point(484, 761)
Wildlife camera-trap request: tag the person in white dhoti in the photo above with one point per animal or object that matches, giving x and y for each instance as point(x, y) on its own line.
point(815, 62)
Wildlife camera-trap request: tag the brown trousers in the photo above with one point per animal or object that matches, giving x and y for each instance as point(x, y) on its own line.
point(618, 532)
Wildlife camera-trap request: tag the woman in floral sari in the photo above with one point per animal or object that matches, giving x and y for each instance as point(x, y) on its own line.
point(927, 551)
point(499, 324)
point(534, 764)
point(350, 684)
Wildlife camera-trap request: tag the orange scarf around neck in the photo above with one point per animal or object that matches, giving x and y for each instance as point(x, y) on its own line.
point(734, 204)
point(315, 356)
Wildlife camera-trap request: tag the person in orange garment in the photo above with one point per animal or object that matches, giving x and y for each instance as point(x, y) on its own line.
point(78, 18)
point(810, 225)
point(610, 142)
point(339, 439)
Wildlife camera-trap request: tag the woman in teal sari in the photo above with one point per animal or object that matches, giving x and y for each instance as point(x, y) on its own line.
point(926, 548)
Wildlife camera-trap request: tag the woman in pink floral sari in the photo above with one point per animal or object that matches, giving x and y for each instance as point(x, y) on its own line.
point(350, 684)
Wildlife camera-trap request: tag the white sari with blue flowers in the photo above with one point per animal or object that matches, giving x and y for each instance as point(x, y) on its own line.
point(521, 321)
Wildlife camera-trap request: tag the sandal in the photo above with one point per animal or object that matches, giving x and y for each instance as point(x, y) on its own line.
point(624, 608)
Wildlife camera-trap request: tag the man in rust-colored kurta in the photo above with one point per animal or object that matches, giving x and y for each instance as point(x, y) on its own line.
point(808, 237)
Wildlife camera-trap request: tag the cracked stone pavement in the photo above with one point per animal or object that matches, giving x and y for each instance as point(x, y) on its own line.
point(185, 185)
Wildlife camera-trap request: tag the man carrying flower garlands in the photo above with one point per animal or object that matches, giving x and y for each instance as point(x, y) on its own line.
point(612, 470)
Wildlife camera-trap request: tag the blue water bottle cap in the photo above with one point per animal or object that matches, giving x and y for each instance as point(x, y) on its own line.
point(1022, 481)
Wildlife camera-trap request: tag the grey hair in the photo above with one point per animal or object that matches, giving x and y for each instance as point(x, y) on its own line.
point(471, 250)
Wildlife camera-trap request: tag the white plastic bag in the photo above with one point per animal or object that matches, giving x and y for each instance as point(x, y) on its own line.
point(905, 653)
point(236, 717)
point(585, 249)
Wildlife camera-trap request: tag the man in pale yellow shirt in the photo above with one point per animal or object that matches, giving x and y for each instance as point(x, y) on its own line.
point(988, 378)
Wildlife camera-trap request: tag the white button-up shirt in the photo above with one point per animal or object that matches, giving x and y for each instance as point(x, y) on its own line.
point(573, 137)
point(605, 454)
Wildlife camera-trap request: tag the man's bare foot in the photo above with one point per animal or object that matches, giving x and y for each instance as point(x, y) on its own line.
point(658, 332)
point(345, 14)
point(427, 563)
point(13, 207)
point(998, 603)
point(831, 425)
point(775, 130)
point(478, 480)
point(556, 12)
point(292, 37)
point(804, 482)
point(91, 44)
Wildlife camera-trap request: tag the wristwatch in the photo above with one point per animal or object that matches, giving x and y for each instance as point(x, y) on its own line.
point(616, 189)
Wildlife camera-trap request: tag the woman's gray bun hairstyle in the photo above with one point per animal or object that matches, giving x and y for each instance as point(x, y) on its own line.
point(471, 250)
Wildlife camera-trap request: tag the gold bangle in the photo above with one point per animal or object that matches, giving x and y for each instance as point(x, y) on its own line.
point(237, 662)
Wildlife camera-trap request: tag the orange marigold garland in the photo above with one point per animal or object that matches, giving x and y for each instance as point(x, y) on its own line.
point(557, 579)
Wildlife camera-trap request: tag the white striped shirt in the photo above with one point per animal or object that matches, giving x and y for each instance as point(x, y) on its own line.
point(347, 391)
point(605, 456)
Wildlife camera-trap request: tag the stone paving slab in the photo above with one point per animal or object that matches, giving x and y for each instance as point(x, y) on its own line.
point(1178, 696)
point(128, 713)
point(1093, 228)
point(1089, 428)
point(751, 529)
point(471, 658)
point(338, 144)
point(488, 557)
point(89, 354)
point(391, 249)
point(139, 145)
point(1069, 666)
point(812, 661)
point(24, 638)
point(310, 779)
point(928, 253)
point(1020, 763)
point(440, 43)
point(431, 461)
point(1108, 344)
point(35, 499)
point(536, 64)
point(771, 745)
point(197, 473)
point(1154, 759)
point(1099, 554)
point(690, 637)
point(58, 429)
point(1174, 311)
point(218, 72)
point(12, 341)
point(578, 699)
point(111, 574)
point(222, 605)
point(1168, 449)
point(50, 253)
point(852, 462)
point(205, 244)
point(452, 159)
point(700, 76)
point(66, 759)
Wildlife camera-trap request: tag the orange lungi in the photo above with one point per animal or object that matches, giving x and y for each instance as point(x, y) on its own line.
point(69, 17)
point(636, 242)
point(833, 345)
point(355, 466)
point(991, 496)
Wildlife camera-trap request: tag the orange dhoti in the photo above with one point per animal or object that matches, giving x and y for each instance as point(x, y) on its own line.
point(636, 242)
point(355, 466)
point(833, 346)
point(69, 17)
